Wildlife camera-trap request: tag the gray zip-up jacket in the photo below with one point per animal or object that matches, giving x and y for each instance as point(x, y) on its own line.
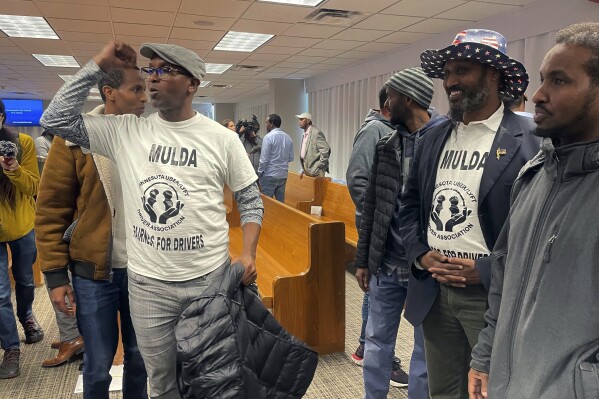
point(374, 128)
point(542, 338)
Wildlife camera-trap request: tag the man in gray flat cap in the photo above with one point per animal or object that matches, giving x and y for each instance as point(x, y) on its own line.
point(173, 166)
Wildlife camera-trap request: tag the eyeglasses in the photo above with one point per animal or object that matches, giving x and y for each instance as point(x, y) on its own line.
point(163, 73)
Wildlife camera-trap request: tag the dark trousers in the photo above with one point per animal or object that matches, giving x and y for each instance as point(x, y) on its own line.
point(98, 304)
point(451, 330)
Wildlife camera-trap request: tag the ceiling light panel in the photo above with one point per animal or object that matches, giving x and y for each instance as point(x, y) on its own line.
point(204, 83)
point(217, 68)
point(64, 61)
point(311, 3)
point(25, 26)
point(242, 41)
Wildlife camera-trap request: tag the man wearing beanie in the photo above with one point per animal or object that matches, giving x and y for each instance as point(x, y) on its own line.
point(383, 270)
point(173, 167)
point(457, 199)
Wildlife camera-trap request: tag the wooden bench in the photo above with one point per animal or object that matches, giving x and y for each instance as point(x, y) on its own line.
point(338, 205)
point(300, 275)
point(305, 192)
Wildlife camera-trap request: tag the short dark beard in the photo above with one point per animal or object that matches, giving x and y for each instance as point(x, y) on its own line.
point(472, 99)
point(573, 130)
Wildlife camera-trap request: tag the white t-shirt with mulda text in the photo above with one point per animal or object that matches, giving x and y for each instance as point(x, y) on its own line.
point(454, 225)
point(172, 176)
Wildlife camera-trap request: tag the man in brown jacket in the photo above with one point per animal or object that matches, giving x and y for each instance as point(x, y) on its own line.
point(80, 227)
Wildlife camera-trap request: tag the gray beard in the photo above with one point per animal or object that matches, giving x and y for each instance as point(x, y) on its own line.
point(473, 100)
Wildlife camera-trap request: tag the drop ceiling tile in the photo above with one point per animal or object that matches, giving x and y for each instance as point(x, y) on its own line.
point(41, 46)
point(203, 22)
point(299, 76)
point(12, 50)
point(358, 55)
point(216, 8)
point(475, 11)
point(371, 6)
point(141, 17)
point(155, 5)
point(197, 34)
point(379, 47)
point(291, 41)
point(140, 30)
point(320, 52)
point(86, 37)
point(74, 11)
point(338, 61)
point(306, 59)
point(139, 40)
point(339, 44)
point(194, 44)
point(422, 8)
point(229, 55)
point(268, 49)
point(20, 8)
point(270, 28)
point(360, 34)
point(289, 64)
point(276, 12)
point(322, 67)
point(79, 25)
point(272, 75)
point(513, 2)
point(281, 69)
point(268, 57)
point(313, 30)
point(85, 46)
point(403, 37)
point(438, 25)
point(387, 22)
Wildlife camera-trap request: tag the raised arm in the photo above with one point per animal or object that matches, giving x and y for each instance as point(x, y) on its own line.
point(63, 115)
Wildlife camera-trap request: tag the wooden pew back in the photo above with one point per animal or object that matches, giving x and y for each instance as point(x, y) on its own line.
point(338, 205)
point(305, 192)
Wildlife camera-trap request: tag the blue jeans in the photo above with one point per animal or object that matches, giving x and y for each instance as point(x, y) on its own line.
point(362, 338)
point(98, 304)
point(272, 186)
point(23, 256)
point(387, 297)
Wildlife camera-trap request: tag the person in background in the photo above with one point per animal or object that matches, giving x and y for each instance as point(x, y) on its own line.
point(517, 105)
point(375, 127)
point(229, 124)
point(277, 152)
point(86, 187)
point(19, 183)
point(252, 143)
point(42, 147)
point(315, 151)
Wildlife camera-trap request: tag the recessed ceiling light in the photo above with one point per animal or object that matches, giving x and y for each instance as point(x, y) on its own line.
point(25, 26)
point(65, 61)
point(242, 41)
point(204, 83)
point(311, 3)
point(66, 78)
point(217, 68)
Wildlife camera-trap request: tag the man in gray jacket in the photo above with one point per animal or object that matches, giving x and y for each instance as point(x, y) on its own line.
point(315, 150)
point(542, 338)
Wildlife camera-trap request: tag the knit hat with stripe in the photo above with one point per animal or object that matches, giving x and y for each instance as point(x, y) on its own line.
point(413, 83)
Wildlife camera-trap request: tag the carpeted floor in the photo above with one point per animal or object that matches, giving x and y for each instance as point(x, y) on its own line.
point(336, 377)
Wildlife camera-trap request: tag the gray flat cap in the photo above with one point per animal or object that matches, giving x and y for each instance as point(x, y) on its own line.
point(176, 55)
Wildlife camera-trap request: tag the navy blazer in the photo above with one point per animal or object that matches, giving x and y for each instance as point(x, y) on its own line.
point(515, 136)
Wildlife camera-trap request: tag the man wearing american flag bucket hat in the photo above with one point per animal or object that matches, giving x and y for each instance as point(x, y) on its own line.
point(457, 199)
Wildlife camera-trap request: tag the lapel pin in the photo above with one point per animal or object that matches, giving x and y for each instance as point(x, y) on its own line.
point(501, 152)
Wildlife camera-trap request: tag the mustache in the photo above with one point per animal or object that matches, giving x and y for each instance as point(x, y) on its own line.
point(540, 107)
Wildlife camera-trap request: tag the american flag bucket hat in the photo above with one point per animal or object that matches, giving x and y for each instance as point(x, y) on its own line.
point(484, 46)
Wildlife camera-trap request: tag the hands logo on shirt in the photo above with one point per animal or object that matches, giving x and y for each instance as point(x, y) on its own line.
point(456, 215)
point(169, 209)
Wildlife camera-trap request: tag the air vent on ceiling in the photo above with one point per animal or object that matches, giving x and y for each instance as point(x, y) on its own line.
point(255, 68)
point(20, 93)
point(220, 86)
point(329, 16)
